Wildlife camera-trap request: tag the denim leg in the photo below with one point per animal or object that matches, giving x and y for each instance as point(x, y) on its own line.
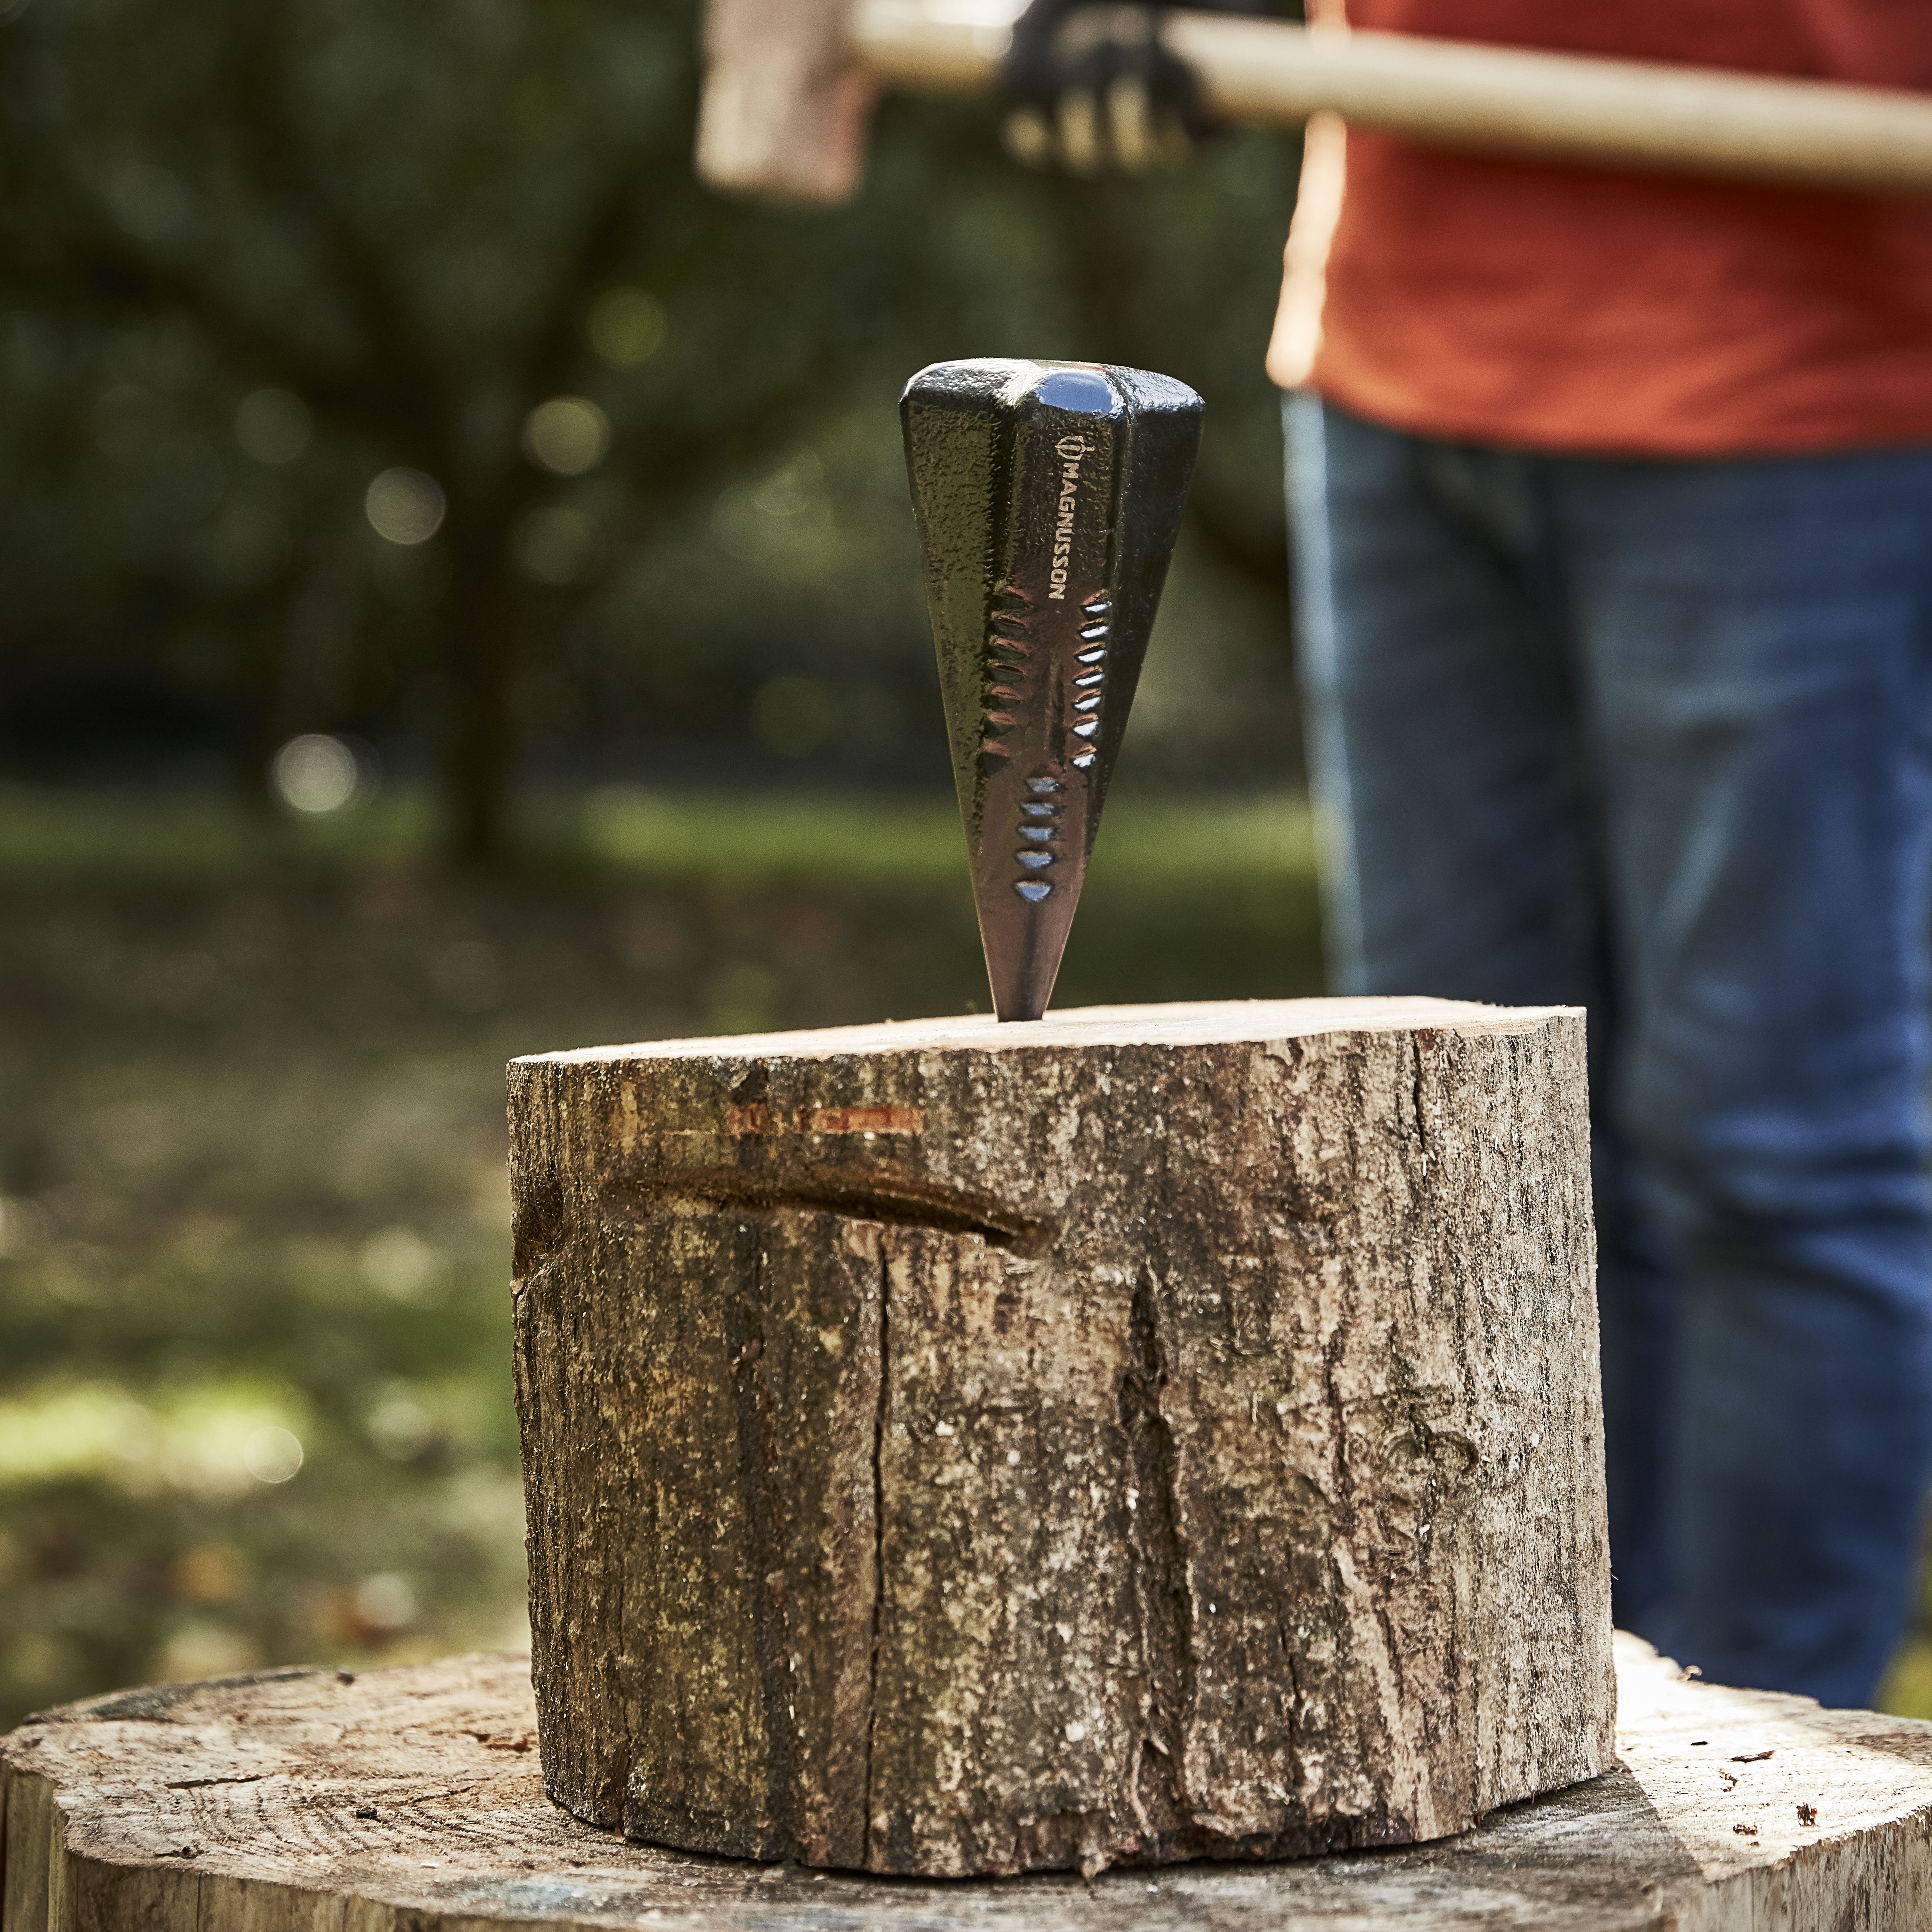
point(1447, 756)
point(1757, 645)
point(1442, 722)
point(1654, 737)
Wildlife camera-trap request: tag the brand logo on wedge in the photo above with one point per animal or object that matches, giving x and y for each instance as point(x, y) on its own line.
point(1072, 449)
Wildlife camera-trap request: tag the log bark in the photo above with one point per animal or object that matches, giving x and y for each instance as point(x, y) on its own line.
point(1150, 1434)
point(409, 1801)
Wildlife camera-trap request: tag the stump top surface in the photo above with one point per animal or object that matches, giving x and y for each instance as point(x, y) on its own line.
point(1174, 1023)
point(411, 1797)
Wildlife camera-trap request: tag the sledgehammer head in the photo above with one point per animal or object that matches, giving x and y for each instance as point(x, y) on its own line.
point(1048, 497)
point(789, 85)
point(786, 105)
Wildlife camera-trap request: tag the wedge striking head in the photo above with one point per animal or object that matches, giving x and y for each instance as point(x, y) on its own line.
point(1048, 497)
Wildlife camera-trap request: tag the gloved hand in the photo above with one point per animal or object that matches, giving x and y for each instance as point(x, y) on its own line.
point(1091, 88)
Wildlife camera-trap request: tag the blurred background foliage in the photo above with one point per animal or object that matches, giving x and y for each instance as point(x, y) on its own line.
point(385, 372)
point(402, 461)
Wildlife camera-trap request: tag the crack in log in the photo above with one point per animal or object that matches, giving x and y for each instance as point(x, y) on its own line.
point(1417, 1043)
point(880, 1416)
point(624, 1755)
point(885, 1198)
point(1291, 1657)
point(777, 1835)
point(1157, 1545)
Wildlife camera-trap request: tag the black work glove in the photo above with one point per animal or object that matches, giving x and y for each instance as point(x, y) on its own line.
point(1090, 88)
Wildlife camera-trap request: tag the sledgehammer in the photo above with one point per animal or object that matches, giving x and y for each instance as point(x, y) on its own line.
point(790, 85)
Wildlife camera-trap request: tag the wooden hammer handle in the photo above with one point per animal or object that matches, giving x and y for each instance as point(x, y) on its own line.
point(1633, 113)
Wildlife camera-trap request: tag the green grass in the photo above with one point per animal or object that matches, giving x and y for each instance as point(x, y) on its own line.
point(251, 1159)
point(58, 838)
point(917, 840)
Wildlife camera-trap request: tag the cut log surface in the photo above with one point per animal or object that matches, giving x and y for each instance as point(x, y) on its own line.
point(1151, 1433)
point(409, 1801)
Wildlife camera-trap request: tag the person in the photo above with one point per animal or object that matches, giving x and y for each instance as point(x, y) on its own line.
point(1611, 502)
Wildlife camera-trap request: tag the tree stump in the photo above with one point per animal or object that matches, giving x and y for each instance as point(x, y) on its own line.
point(1153, 1433)
point(408, 1800)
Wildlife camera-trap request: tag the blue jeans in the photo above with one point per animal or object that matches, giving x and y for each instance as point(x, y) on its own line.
point(1655, 738)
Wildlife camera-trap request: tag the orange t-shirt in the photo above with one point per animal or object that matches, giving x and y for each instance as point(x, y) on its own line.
point(1558, 306)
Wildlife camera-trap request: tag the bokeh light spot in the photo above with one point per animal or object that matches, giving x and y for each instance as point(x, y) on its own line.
point(794, 487)
point(314, 774)
point(25, 1227)
point(627, 327)
point(401, 1428)
point(272, 425)
point(399, 1263)
point(203, 1649)
point(272, 1455)
point(385, 1603)
point(567, 435)
point(406, 506)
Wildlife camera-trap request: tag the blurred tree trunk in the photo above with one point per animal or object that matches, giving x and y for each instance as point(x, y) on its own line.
point(484, 636)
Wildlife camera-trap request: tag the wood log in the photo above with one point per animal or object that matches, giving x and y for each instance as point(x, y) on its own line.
point(408, 1800)
point(1149, 1434)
